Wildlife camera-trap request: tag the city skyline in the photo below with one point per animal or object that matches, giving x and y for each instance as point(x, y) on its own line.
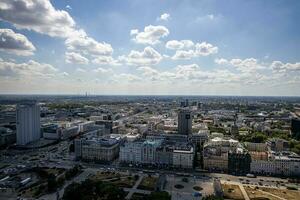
point(150, 47)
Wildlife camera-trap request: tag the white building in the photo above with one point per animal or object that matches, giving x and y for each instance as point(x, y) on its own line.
point(28, 123)
point(183, 158)
point(131, 152)
point(280, 165)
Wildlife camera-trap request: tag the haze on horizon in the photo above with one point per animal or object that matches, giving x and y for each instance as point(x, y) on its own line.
point(148, 47)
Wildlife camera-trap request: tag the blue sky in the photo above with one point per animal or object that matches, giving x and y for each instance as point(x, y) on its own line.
point(150, 47)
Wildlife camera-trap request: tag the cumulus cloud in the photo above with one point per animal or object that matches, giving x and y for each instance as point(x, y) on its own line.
point(105, 60)
point(103, 70)
point(248, 65)
point(221, 61)
point(76, 58)
point(182, 44)
point(151, 34)
point(40, 16)
point(205, 49)
point(29, 69)
point(199, 49)
point(87, 45)
point(165, 17)
point(37, 15)
point(15, 43)
point(278, 66)
point(148, 56)
point(125, 77)
point(183, 55)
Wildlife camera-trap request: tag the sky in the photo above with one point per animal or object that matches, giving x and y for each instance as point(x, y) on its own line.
point(150, 47)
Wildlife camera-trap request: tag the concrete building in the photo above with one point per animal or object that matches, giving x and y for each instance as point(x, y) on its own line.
point(183, 156)
point(185, 122)
point(278, 144)
point(277, 165)
point(97, 149)
point(295, 128)
point(28, 123)
point(7, 136)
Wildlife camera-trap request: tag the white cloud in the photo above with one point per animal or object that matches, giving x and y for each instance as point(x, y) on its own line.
point(15, 43)
point(205, 49)
point(134, 31)
point(165, 17)
point(103, 70)
point(68, 7)
point(150, 35)
point(147, 57)
point(183, 44)
point(40, 16)
point(199, 49)
point(80, 70)
point(278, 66)
point(76, 58)
point(37, 15)
point(221, 61)
point(105, 60)
point(126, 77)
point(87, 45)
point(29, 69)
point(183, 55)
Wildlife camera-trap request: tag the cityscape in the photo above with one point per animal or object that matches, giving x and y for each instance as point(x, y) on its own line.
point(149, 100)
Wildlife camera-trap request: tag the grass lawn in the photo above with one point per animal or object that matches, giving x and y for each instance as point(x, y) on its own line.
point(283, 193)
point(255, 194)
point(232, 192)
point(124, 182)
point(138, 196)
point(148, 183)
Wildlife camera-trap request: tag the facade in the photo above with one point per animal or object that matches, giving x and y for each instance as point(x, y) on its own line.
point(295, 128)
point(158, 152)
point(28, 123)
point(183, 157)
point(239, 163)
point(185, 122)
point(278, 144)
point(7, 136)
point(279, 165)
point(95, 149)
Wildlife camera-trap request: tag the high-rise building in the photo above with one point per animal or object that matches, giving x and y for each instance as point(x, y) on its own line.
point(28, 123)
point(185, 122)
point(295, 128)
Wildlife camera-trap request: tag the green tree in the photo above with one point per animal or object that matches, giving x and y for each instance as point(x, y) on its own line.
point(159, 196)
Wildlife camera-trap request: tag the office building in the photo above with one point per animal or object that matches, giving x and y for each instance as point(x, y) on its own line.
point(295, 128)
point(28, 123)
point(185, 122)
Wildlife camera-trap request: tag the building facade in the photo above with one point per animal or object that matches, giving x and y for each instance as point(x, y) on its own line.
point(185, 122)
point(28, 123)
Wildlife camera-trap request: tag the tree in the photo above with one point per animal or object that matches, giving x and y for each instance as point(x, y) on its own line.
point(212, 197)
point(52, 184)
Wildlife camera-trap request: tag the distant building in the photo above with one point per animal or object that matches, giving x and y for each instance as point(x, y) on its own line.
point(159, 152)
point(28, 123)
point(239, 163)
point(97, 149)
point(295, 128)
point(278, 144)
point(7, 136)
point(185, 122)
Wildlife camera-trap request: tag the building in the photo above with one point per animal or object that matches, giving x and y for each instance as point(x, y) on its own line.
point(185, 122)
point(239, 163)
point(97, 149)
point(7, 136)
point(215, 153)
point(28, 123)
point(50, 131)
point(158, 152)
point(280, 165)
point(278, 144)
point(183, 156)
point(295, 128)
